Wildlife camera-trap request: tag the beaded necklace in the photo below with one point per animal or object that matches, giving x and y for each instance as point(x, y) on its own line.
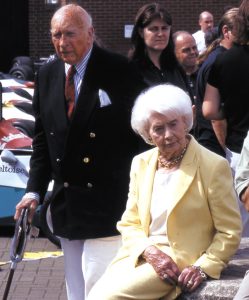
point(169, 164)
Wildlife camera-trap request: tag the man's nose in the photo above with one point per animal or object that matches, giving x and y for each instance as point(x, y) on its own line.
point(63, 39)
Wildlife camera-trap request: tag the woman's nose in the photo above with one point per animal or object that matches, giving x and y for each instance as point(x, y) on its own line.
point(167, 134)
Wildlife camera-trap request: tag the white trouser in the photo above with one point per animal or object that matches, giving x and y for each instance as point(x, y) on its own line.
point(85, 261)
point(233, 159)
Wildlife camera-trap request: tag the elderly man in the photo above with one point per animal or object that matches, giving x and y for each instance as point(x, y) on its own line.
point(206, 22)
point(83, 142)
point(187, 54)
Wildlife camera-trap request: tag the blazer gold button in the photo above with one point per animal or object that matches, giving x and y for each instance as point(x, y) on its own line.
point(86, 160)
point(66, 184)
point(92, 135)
point(89, 185)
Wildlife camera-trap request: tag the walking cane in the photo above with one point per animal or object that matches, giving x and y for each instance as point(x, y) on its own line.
point(18, 244)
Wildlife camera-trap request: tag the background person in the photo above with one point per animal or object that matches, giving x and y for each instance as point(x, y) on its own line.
point(181, 207)
point(206, 22)
point(228, 83)
point(242, 189)
point(212, 134)
point(153, 49)
point(85, 146)
point(242, 174)
point(187, 55)
point(228, 80)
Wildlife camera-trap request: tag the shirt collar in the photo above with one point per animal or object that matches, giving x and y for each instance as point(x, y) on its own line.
point(81, 66)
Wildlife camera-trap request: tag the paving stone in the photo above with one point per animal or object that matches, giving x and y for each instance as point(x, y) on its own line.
point(41, 279)
point(226, 287)
point(44, 279)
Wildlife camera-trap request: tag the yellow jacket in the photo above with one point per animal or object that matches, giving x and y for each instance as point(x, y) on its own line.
point(203, 222)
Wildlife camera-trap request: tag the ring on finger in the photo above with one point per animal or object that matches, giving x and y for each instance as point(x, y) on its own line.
point(190, 282)
point(165, 276)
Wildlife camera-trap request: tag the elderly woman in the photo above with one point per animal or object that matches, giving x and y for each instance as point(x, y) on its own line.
point(182, 223)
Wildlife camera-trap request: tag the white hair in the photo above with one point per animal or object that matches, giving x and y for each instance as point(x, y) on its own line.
point(166, 99)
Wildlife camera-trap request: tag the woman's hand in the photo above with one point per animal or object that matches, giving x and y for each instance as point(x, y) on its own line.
point(190, 278)
point(163, 264)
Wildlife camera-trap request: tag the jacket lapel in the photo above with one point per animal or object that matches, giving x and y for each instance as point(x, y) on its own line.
point(57, 103)
point(86, 103)
point(185, 177)
point(150, 165)
point(186, 174)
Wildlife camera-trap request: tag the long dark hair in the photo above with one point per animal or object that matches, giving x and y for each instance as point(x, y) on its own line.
point(145, 15)
point(241, 24)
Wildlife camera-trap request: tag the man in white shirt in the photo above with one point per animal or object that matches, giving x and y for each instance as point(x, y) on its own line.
point(206, 22)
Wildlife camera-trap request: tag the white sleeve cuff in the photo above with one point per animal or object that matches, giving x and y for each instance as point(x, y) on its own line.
point(32, 195)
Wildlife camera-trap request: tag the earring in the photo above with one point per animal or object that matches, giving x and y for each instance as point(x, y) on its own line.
point(150, 140)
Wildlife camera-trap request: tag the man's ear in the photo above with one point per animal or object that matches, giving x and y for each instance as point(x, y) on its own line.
point(91, 32)
point(90, 35)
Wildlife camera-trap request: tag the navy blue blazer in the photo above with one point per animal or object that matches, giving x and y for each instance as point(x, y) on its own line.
point(89, 157)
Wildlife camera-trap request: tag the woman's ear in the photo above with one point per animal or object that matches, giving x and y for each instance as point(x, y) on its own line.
point(225, 31)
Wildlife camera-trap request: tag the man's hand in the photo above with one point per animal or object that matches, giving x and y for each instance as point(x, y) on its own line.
point(244, 197)
point(30, 203)
point(163, 264)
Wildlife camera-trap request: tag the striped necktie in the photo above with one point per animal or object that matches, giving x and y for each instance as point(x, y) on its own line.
point(70, 91)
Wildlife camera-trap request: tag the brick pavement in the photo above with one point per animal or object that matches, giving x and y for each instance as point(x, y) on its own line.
point(33, 280)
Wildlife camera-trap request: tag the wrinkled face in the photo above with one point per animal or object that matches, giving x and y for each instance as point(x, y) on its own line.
point(206, 22)
point(71, 38)
point(156, 35)
point(186, 50)
point(168, 133)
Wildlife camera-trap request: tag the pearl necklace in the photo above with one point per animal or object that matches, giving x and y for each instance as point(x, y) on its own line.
point(169, 164)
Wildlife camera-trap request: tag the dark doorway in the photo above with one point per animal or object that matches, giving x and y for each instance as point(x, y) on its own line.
point(14, 37)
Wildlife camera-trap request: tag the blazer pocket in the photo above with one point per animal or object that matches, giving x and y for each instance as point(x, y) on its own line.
point(104, 99)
